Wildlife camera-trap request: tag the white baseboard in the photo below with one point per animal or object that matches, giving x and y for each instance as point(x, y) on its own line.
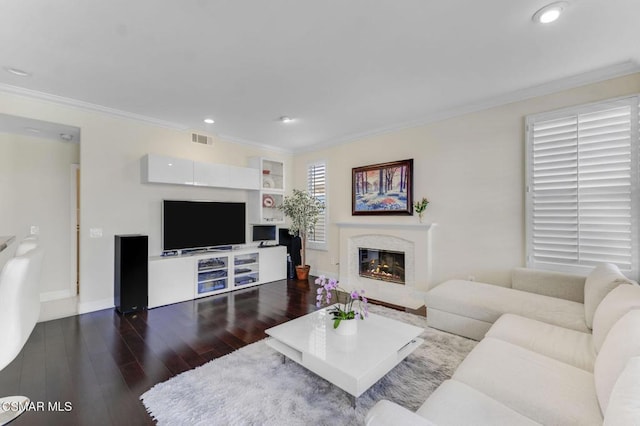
point(96, 305)
point(55, 295)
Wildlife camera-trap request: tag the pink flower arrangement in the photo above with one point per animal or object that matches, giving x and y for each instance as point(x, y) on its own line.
point(355, 307)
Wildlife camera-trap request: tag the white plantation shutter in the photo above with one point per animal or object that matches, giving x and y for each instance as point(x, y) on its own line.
point(317, 186)
point(582, 191)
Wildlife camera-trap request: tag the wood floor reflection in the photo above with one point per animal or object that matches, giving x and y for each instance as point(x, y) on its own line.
point(102, 362)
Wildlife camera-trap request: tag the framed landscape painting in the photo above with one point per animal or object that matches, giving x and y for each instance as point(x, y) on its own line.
point(383, 189)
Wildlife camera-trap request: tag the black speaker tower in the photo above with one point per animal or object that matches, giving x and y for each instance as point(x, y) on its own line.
point(131, 273)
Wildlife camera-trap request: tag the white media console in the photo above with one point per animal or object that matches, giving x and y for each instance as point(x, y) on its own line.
point(184, 277)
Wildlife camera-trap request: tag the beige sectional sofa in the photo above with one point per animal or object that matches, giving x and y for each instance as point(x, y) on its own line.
point(540, 360)
point(470, 308)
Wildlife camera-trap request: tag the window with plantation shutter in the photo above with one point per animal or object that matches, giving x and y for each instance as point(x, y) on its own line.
point(582, 187)
point(317, 186)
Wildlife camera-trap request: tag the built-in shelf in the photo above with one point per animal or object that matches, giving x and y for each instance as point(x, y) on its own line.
point(189, 276)
point(263, 205)
point(212, 273)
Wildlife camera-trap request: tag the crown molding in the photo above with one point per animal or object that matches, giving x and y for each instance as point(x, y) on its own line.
point(87, 106)
point(590, 77)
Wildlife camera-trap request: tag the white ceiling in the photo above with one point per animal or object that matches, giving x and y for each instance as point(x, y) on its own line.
point(341, 68)
point(38, 129)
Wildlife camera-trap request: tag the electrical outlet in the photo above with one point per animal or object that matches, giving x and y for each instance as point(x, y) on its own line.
point(95, 232)
point(35, 230)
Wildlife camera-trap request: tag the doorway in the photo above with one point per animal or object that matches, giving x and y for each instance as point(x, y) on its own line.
point(74, 288)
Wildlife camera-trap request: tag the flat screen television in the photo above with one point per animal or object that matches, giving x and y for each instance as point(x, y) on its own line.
point(264, 233)
point(198, 224)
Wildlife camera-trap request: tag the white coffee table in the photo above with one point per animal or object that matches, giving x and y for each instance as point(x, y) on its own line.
point(352, 363)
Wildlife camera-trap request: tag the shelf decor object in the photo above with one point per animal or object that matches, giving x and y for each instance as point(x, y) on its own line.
point(383, 189)
point(268, 201)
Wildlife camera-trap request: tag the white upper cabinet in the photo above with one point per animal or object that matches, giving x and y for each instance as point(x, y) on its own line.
point(225, 176)
point(160, 169)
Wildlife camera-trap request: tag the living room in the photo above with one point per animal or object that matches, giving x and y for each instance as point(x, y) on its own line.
point(467, 144)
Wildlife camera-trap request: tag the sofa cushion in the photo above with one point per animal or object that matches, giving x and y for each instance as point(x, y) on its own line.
point(486, 302)
point(621, 344)
point(615, 304)
point(536, 386)
point(602, 279)
point(458, 324)
point(569, 346)
point(549, 283)
point(455, 403)
point(624, 404)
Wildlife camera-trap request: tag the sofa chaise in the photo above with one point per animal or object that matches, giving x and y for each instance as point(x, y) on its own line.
point(536, 363)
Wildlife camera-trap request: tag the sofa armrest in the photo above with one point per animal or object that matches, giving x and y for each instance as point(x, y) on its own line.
point(549, 283)
point(387, 413)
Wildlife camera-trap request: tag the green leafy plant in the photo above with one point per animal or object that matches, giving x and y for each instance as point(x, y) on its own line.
point(304, 210)
point(421, 206)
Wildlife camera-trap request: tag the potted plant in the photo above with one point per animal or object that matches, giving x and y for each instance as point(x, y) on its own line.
point(421, 206)
point(355, 306)
point(304, 211)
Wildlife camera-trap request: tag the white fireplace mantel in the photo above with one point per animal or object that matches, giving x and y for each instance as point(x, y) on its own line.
point(413, 239)
point(424, 226)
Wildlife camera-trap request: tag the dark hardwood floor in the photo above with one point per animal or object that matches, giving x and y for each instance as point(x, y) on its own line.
point(102, 362)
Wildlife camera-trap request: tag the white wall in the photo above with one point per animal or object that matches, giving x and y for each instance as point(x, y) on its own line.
point(471, 168)
point(35, 189)
point(112, 196)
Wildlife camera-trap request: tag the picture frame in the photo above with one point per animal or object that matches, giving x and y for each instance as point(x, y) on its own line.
point(394, 198)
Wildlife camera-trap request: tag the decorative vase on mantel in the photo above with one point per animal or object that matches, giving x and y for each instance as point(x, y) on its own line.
point(420, 207)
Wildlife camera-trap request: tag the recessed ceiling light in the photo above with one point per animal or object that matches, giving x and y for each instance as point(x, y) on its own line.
point(17, 71)
point(209, 120)
point(286, 119)
point(66, 137)
point(550, 12)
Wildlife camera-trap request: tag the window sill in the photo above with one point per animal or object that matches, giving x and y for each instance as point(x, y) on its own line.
point(318, 246)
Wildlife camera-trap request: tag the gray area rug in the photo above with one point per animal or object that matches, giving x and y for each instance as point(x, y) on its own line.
point(252, 386)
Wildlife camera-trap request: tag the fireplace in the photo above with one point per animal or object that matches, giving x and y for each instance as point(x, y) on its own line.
point(383, 265)
point(413, 239)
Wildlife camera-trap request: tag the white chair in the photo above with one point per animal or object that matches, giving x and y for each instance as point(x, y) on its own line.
point(19, 312)
point(29, 243)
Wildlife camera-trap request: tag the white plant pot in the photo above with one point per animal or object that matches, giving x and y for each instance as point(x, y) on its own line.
point(347, 327)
